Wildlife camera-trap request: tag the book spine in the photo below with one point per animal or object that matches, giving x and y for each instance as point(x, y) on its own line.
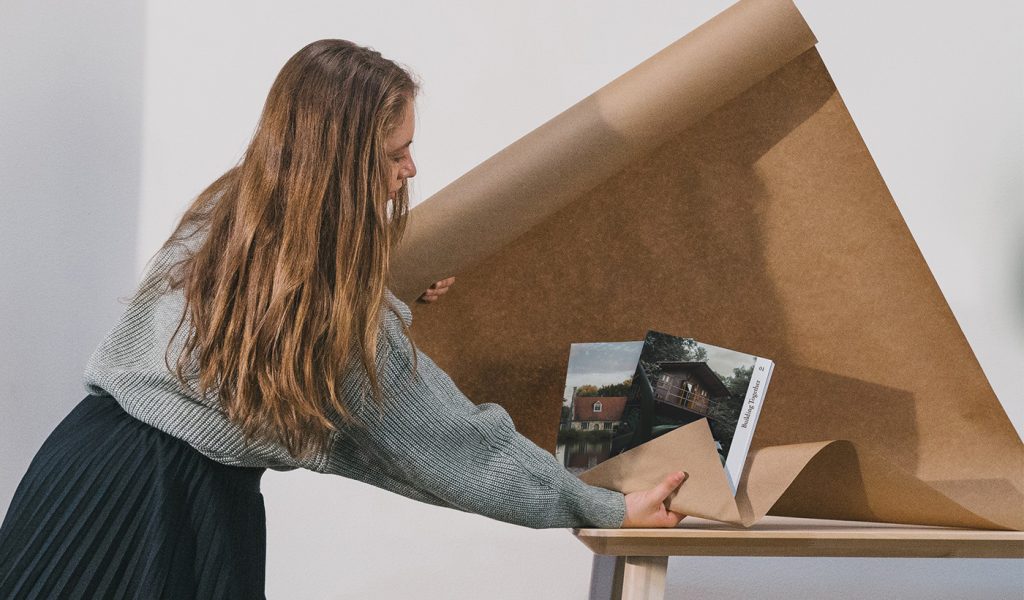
point(756, 390)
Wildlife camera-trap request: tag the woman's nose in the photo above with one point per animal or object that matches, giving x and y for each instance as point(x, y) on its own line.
point(408, 169)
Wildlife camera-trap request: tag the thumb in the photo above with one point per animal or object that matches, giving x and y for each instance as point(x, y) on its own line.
point(669, 485)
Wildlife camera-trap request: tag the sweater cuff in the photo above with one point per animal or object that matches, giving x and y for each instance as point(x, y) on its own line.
point(586, 505)
point(599, 506)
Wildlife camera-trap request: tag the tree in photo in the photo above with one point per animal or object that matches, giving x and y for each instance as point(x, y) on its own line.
point(659, 347)
point(606, 391)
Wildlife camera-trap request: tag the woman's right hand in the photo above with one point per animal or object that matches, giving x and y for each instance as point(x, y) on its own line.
point(646, 508)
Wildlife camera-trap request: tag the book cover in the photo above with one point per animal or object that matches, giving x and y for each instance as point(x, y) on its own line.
point(619, 395)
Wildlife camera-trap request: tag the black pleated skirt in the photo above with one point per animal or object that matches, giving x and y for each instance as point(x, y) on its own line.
point(113, 508)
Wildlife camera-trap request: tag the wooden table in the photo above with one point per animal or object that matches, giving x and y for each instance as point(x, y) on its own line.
point(631, 563)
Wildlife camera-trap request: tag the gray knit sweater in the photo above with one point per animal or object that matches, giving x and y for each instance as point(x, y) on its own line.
point(429, 442)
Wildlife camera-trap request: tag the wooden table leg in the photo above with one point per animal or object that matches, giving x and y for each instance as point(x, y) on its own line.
point(643, 578)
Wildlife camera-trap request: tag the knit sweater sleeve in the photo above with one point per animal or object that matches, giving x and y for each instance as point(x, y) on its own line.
point(427, 442)
point(430, 442)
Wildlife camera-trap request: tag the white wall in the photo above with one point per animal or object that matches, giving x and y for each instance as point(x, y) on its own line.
point(70, 142)
point(936, 92)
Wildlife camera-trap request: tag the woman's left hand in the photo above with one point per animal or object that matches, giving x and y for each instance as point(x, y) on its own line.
point(436, 290)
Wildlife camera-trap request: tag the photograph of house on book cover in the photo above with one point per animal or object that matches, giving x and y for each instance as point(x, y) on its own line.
point(597, 386)
point(623, 394)
point(721, 186)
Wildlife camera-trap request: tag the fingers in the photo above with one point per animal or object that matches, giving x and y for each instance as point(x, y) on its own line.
point(650, 508)
point(443, 284)
point(669, 485)
point(436, 290)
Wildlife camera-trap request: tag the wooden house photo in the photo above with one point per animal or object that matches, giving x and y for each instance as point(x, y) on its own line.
point(596, 413)
point(690, 386)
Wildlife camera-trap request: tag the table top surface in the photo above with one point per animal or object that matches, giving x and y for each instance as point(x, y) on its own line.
point(787, 536)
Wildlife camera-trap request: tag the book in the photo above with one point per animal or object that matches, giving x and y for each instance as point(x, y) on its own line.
point(619, 395)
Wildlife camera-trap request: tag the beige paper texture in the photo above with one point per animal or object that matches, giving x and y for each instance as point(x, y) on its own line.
point(721, 191)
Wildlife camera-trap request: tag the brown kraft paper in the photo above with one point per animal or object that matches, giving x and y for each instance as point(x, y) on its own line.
point(720, 190)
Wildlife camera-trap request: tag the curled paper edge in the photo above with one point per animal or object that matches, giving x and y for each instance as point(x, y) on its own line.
point(871, 488)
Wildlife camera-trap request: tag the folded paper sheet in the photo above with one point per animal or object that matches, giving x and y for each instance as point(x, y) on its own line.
point(720, 190)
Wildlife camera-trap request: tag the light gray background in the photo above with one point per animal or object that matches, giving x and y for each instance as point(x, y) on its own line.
point(113, 115)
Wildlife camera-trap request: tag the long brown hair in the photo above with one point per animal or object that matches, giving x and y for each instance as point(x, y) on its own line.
point(287, 286)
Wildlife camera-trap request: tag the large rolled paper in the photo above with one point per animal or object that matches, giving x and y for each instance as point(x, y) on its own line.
point(721, 191)
point(527, 182)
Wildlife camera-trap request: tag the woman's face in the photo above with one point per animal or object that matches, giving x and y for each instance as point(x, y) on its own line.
point(399, 153)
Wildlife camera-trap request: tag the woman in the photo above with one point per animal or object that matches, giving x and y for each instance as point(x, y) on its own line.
point(263, 335)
